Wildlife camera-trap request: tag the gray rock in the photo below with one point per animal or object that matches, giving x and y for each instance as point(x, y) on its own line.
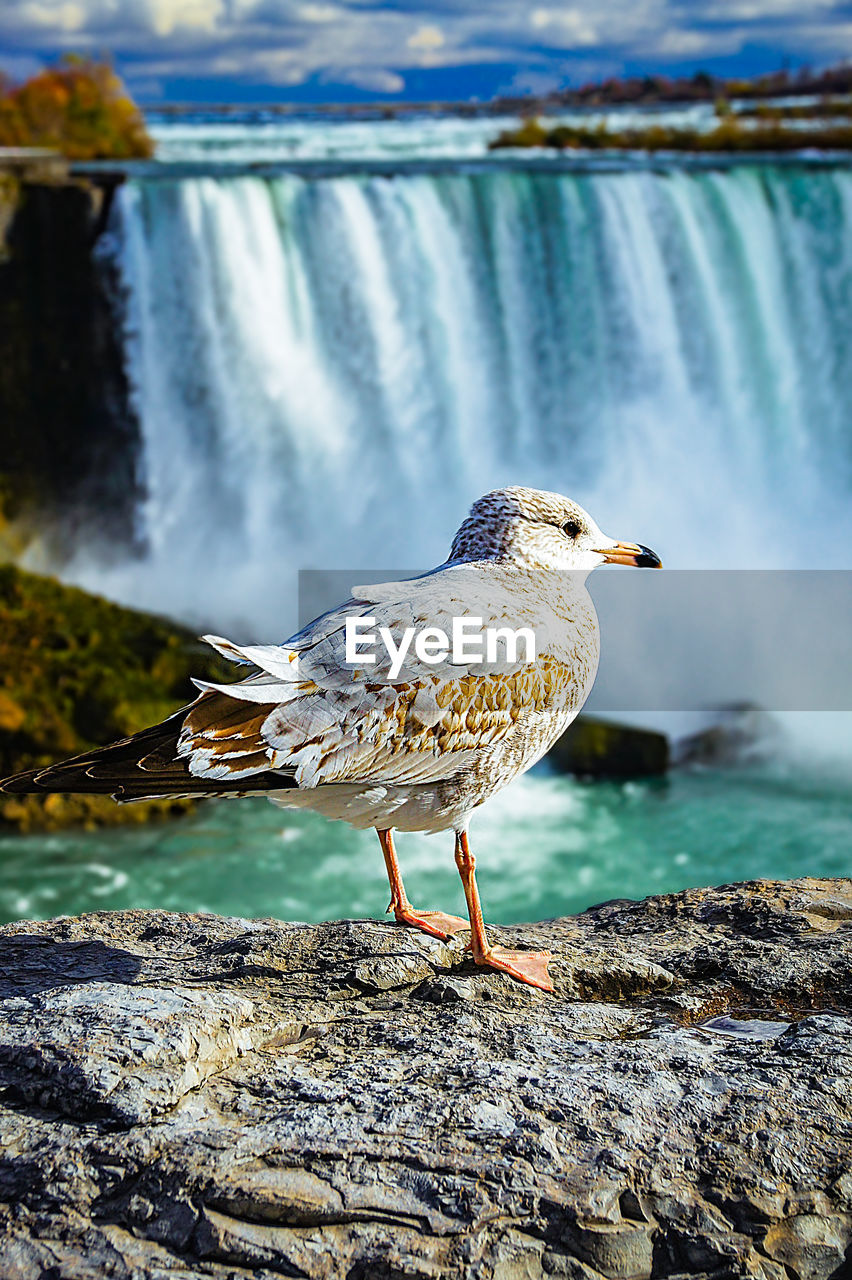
point(144, 1047)
point(742, 734)
point(185, 1095)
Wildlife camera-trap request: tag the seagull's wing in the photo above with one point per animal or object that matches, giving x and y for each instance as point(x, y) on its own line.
point(496, 599)
point(309, 717)
point(321, 718)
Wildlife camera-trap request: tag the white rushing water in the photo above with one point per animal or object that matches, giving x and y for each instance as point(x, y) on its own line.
point(328, 370)
point(258, 136)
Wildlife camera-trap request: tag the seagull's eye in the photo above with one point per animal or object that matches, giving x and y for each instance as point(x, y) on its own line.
point(572, 528)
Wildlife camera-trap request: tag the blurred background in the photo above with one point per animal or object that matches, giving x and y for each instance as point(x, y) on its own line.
point(286, 287)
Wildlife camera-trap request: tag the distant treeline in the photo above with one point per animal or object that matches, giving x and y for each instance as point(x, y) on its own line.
point(728, 136)
point(704, 87)
point(79, 107)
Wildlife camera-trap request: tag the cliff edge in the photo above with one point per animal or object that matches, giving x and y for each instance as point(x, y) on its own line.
point(187, 1095)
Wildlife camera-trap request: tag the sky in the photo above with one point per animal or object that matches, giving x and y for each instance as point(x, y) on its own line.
point(353, 50)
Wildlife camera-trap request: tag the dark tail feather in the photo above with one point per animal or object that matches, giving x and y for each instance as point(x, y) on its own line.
point(145, 766)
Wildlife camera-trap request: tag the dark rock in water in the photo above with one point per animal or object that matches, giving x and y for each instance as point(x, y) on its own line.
point(196, 1096)
point(743, 734)
point(602, 749)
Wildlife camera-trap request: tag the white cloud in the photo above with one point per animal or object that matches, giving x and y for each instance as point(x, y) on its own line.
point(569, 26)
point(168, 16)
point(281, 66)
point(766, 10)
point(426, 38)
point(425, 42)
point(61, 17)
point(373, 79)
point(697, 44)
point(536, 83)
point(321, 13)
point(833, 43)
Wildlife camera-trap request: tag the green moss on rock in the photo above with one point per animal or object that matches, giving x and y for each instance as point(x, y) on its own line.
point(76, 672)
point(596, 748)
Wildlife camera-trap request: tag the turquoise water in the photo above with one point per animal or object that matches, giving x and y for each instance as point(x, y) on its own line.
point(546, 846)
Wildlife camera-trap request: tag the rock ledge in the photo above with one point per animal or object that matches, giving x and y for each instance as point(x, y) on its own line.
point(188, 1096)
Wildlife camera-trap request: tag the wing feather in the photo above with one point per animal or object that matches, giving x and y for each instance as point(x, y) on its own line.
point(309, 716)
point(330, 719)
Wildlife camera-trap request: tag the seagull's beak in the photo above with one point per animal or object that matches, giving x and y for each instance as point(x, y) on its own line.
point(630, 553)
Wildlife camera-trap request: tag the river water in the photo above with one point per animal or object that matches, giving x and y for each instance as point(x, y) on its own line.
point(339, 333)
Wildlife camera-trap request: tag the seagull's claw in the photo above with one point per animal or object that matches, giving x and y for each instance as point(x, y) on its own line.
point(527, 966)
point(435, 923)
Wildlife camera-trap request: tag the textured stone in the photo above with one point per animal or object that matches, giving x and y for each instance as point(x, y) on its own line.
point(186, 1095)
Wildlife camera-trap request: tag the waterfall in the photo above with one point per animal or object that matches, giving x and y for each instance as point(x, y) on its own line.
point(327, 370)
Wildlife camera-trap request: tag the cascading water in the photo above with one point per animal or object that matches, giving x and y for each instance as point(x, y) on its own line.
point(328, 369)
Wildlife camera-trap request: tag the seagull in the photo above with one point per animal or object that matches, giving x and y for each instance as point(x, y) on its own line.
point(400, 736)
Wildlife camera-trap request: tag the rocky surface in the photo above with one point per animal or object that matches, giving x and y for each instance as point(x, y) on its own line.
point(186, 1095)
point(742, 734)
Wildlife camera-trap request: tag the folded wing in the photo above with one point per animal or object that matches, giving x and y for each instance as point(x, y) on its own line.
point(309, 716)
point(336, 719)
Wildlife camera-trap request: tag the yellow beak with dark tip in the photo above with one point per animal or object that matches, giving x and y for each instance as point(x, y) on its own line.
point(631, 553)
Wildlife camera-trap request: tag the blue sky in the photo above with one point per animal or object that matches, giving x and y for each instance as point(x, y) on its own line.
point(350, 50)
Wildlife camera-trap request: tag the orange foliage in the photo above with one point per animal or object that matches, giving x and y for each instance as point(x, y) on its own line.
point(80, 108)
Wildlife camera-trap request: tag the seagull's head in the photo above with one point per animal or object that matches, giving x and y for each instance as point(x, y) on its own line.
point(538, 530)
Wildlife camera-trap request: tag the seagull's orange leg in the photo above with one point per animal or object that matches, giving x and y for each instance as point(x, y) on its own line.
point(434, 922)
point(526, 966)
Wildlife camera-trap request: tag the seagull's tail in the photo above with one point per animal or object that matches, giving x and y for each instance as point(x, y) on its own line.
point(146, 766)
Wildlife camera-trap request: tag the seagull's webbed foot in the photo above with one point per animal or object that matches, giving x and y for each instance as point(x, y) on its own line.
point(527, 966)
point(436, 923)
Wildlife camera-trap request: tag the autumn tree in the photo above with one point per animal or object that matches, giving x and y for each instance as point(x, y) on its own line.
point(79, 107)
